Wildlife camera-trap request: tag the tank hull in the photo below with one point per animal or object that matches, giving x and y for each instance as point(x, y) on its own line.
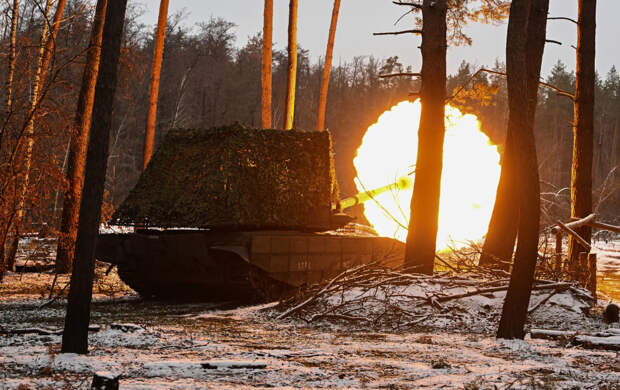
point(224, 266)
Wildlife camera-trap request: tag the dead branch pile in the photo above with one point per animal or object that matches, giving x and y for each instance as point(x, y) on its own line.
point(374, 297)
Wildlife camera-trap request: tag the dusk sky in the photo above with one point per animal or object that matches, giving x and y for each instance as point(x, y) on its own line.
point(360, 18)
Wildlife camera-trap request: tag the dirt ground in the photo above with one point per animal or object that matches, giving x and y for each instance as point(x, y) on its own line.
point(179, 346)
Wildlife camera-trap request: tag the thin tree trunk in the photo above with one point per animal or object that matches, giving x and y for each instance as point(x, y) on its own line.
point(158, 55)
point(423, 224)
point(9, 109)
point(583, 131)
point(266, 71)
point(29, 137)
point(12, 59)
point(79, 144)
point(524, 50)
point(289, 114)
point(75, 335)
point(320, 122)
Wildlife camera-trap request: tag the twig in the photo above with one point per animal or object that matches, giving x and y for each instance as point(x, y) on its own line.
point(399, 32)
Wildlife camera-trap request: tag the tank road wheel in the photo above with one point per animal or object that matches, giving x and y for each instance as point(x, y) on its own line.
point(269, 288)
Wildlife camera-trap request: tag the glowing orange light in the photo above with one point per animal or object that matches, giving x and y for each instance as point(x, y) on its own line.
point(469, 180)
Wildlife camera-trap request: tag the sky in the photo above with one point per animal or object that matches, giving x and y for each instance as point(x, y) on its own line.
point(360, 18)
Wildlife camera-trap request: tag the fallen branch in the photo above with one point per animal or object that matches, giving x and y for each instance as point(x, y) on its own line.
point(576, 223)
point(43, 331)
point(577, 237)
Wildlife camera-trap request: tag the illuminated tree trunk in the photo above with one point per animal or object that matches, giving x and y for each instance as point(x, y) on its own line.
point(320, 123)
point(524, 49)
point(422, 235)
point(158, 53)
point(12, 59)
point(6, 225)
point(266, 65)
point(24, 183)
point(79, 143)
point(583, 133)
point(289, 113)
point(75, 335)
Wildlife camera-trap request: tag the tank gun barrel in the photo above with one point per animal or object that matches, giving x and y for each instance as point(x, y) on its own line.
point(403, 183)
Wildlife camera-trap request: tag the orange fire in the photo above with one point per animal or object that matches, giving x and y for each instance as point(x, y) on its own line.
point(469, 178)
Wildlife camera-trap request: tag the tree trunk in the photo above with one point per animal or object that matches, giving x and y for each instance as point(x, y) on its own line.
point(583, 136)
point(320, 123)
point(499, 243)
point(75, 335)
point(6, 225)
point(422, 236)
point(37, 86)
point(12, 59)
point(524, 50)
point(289, 113)
point(266, 71)
point(158, 54)
point(79, 144)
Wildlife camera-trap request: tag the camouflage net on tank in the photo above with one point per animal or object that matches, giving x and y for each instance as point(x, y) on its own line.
point(235, 178)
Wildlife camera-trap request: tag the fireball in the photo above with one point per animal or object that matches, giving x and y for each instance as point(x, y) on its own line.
point(469, 181)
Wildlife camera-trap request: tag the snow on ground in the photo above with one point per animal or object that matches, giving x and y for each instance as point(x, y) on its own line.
point(196, 346)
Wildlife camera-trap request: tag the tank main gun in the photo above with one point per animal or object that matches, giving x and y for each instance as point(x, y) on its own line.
point(403, 183)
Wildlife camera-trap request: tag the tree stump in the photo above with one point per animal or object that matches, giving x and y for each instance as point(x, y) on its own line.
point(105, 381)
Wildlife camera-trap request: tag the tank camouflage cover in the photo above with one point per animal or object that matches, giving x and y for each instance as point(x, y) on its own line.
point(235, 178)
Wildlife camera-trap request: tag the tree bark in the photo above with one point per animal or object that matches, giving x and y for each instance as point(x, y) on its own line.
point(6, 226)
point(423, 224)
point(12, 59)
point(499, 243)
point(79, 143)
point(583, 131)
point(158, 54)
point(524, 50)
point(289, 113)
point(24, 183)
point(75, 335)
point(266, 71)
point(320, 122)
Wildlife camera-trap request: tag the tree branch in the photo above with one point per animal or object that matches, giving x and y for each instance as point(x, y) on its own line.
point(553, 41)
point(503, 74)
point(399, 32)
point(563, 18)
point(414, 5)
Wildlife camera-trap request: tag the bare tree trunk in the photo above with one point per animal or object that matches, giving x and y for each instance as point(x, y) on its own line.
point(79, 144)
point(423, 224)
point(9, 110)
point(75, 335)
point(320, 122)
point(583, 136)
point(524, 50)
point(289, 114)
point(158, 54)
point(499, 243)
point(12, 59)
point(37, 86)
point(266, 72)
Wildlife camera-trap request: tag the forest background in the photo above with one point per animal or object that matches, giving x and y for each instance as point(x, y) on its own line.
point(209, 78)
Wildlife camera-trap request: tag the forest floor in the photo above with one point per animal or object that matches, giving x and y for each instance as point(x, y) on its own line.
point(158, 345)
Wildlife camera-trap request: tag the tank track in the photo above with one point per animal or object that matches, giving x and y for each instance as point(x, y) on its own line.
point(131, 276)
point(268, 288)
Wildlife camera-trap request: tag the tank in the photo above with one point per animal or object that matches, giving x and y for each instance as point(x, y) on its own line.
point(234, 213)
